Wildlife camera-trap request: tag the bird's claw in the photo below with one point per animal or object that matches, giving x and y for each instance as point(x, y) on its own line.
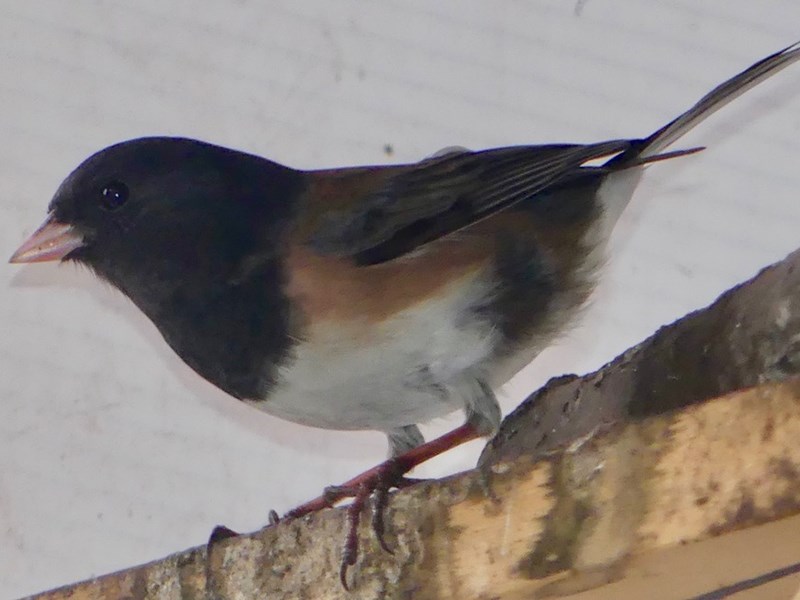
point(377, 488)
point(376, 484)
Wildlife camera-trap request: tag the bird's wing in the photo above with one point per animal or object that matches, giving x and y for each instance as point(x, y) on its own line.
point(440, 195)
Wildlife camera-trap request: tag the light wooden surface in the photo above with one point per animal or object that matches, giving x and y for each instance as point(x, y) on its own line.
point(668, 507)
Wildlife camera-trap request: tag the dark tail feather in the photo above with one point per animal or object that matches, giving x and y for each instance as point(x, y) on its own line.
point(646, 160)
point(648, 149)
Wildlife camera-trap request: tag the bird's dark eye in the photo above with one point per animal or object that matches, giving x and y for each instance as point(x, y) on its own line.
point(113, 195)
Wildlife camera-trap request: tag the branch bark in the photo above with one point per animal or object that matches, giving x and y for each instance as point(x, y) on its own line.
point(649, 478)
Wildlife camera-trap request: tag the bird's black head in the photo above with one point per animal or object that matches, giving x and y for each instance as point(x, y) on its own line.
point(167, 207)
point(192, 233)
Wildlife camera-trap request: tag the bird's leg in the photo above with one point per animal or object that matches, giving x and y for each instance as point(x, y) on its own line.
point(378, 481)
point(394, 467)
point(403, 439)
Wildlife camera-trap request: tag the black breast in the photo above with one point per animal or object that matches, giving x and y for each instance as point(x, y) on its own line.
point(235, 334)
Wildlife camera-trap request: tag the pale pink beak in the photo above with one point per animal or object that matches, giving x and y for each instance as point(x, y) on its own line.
point(52, 241)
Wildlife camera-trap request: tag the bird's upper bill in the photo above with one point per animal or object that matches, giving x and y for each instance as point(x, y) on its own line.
point(52, 241)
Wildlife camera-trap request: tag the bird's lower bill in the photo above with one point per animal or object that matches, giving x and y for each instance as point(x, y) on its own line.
point(52, 241)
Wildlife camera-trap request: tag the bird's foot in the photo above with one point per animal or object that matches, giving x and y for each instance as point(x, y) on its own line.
point(377, 482)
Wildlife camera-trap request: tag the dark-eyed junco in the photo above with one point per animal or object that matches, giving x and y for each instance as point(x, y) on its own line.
point(361, 298)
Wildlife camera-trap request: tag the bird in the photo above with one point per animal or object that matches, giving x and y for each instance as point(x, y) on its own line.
point(361, 298)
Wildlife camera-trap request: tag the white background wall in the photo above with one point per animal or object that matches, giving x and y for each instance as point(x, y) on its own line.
point(112, 452)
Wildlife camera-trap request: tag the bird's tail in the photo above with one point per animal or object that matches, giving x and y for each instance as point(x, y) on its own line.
point(649, 148)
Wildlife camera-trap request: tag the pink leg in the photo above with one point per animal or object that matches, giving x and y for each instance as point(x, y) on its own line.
point(379, 480)
point(398, 466)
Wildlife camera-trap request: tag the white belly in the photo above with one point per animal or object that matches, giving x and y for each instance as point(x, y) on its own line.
point(406, 370)
point(422, 363)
